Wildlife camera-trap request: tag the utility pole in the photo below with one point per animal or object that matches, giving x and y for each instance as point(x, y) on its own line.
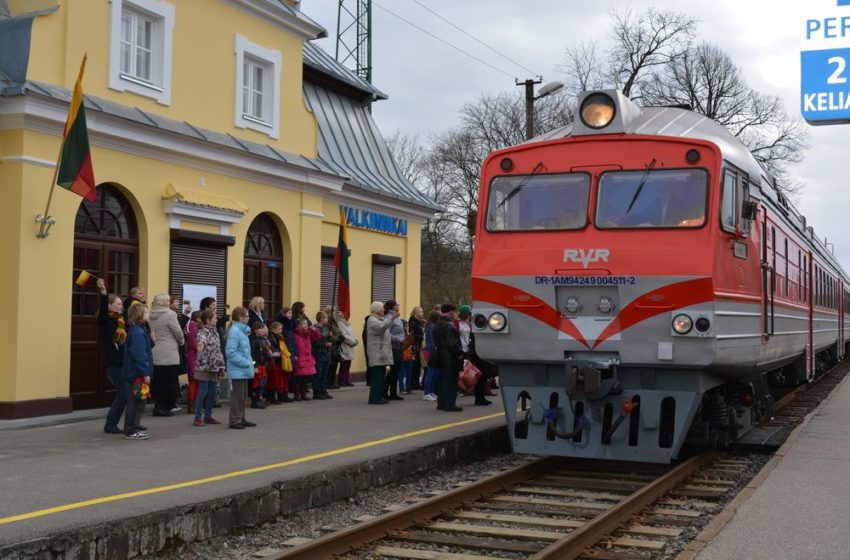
point(530, 98)
point(354, 36)
point(529, 104)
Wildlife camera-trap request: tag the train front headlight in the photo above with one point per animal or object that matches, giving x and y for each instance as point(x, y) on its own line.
point(479, 321)
point(682, 324)
point(497, 321)
point(573, 305)
point(597, 110)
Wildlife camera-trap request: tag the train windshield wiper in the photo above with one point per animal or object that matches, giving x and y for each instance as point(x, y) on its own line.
point(519, 187)
point(641, 184)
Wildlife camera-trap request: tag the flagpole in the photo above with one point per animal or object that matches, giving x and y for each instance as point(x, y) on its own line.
point(45, 219)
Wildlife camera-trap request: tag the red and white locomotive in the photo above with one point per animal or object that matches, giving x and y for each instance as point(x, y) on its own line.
point(639, 279)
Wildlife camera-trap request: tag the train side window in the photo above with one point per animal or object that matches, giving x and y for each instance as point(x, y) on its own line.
point(732, 203)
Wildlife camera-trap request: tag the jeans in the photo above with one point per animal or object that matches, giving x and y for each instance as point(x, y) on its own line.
point(405, 376)
point(116, 376)
point(429, 383)
point(320, 380)
point(133, 414)
point(205, 399)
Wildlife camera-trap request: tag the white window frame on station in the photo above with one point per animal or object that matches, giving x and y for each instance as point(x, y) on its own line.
point(160, 15)
point(270, 61)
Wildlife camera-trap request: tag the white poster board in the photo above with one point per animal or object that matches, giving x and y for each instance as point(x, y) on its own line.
point(194, 293)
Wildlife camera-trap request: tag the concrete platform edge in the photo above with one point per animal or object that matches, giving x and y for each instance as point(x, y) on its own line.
point(714, 527)
point(151, 533)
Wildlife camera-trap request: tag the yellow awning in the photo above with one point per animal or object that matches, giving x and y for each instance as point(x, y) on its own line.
point(206, 199)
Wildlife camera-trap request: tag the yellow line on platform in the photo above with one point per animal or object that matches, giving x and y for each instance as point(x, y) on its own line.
point(234, 474)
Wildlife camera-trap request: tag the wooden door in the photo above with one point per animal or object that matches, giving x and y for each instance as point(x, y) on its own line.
point(263, 265)
point(106, 245)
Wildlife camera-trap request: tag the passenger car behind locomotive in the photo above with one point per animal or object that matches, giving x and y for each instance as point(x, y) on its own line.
point(641, 283)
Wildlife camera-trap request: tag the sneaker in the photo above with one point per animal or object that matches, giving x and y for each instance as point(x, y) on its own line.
point(429, 397)
point(176, 409)
point(198, 422)
point(113, 430)
point(137, 435)
point(327, 396)
point(211, 420)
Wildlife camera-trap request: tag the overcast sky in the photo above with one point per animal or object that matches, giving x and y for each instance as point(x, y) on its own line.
point(427, 81)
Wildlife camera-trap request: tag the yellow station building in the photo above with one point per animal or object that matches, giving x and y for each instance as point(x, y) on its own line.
point(224, 144)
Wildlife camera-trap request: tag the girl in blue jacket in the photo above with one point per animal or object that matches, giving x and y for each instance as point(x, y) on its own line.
point(138, 363)
point(240, 367)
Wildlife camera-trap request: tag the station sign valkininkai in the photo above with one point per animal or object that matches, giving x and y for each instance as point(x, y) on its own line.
point(824, 57)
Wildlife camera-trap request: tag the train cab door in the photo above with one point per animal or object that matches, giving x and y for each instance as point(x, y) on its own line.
point(768, 275)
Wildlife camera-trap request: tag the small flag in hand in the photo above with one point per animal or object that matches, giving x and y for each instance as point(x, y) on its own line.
point(82, 279)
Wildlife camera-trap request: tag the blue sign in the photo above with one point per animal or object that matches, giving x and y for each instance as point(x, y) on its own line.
point(824, 57)
point(366, 219)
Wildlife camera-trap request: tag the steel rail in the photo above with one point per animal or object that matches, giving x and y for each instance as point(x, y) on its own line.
point(350, 538)
point(574, 543)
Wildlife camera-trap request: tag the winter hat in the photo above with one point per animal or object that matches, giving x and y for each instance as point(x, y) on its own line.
point(465, 310)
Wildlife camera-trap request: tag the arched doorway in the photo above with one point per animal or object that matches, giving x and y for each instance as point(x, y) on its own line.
point(263, 264)
point(106, 243)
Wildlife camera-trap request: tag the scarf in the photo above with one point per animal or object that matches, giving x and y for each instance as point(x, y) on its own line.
point(120, 329)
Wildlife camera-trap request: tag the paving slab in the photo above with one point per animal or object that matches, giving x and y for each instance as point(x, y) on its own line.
point(800, 510)
point(59, 477)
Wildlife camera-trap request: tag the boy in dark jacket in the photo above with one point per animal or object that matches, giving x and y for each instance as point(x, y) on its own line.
point(110, 323)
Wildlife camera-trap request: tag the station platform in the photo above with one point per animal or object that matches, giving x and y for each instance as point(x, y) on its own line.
point(72, 489)
point(796, 508)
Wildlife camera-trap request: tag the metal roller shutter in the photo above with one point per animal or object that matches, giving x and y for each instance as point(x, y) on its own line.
point(383, 282)
point(328, 276)
point(193, 263)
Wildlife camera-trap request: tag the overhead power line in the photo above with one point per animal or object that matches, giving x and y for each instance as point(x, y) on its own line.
point(440, 39)
point(476, 39)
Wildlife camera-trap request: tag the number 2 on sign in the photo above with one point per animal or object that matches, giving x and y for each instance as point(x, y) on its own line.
point(836, 77)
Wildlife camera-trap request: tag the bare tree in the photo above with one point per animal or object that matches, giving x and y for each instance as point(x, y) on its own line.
point(581, 68)
point(408, 153)
point(644, 41)
point(706, 78)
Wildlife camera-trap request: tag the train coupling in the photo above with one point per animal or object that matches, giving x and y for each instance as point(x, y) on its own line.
point(589, 378)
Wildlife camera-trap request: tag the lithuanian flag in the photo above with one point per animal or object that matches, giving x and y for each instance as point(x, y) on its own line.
point(83, 278)
point(341, 264)
point(75, 168)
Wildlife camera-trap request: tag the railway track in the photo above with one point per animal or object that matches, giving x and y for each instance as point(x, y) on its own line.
point(548, 508)
point(562, 508)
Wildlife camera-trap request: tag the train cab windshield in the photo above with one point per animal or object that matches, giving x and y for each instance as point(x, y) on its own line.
point(538, 202)
point(652, 199)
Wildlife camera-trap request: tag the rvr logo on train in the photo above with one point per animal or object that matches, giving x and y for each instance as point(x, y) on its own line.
point(586, 256)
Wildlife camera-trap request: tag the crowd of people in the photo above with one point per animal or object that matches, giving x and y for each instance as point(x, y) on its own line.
point(275, 361)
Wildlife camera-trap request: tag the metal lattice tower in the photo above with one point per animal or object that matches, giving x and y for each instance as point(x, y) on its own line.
point(354, 37)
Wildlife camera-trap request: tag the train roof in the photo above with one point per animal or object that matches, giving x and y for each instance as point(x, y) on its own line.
point(678, 122)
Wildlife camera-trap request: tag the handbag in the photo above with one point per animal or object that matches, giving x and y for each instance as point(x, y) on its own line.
point(469, 377)
point(407, 354)
point(407, 341)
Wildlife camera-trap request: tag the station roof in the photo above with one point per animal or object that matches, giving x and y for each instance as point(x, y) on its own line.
point(316, 58)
